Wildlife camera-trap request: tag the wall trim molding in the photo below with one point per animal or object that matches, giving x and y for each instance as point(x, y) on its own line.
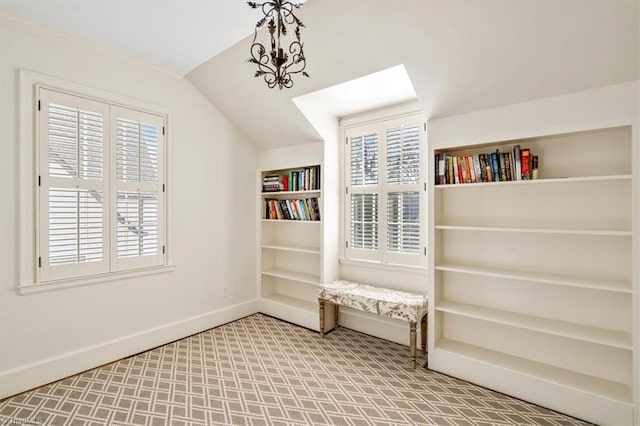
point(26, 377)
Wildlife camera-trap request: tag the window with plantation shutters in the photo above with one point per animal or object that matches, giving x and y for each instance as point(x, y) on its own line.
point(100, 190)
point(138, 190)
point(385, 194)
point(73, 146)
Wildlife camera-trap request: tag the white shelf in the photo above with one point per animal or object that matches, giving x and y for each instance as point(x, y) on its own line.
point(594, 232)
point(616, 339)
point(291, 221)
point(603, 284)
point(289, 257)
point(538, 181)
point(534, 280)
point(310, 192)
point(567, 378)
point(293, 276)
point(295, 249)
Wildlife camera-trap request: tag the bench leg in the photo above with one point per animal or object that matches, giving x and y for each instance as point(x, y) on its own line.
point(423, 334)
point(412, 342)
point(336, 316)
point(321, 303)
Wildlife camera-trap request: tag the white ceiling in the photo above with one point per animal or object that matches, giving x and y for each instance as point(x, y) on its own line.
point(177, 35)
point(460, 56)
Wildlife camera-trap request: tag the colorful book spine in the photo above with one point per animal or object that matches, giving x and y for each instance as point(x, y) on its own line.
point(495, 168)
point(518, 167)
point(507, 164)
point(482, 159)
point(476, 168)
point(525, 161)
point(451, 170)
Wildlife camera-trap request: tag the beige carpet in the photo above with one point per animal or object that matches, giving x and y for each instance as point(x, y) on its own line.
point(259, 370)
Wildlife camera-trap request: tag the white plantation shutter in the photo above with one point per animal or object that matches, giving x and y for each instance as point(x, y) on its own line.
point(101, 187)
point(403, 155)
point(138, 190)
point(385, 195)
point(364, 159)
point(405, 149)
point(362, 224)
point(138, 227)
point(75, 226)
point(364, 221)
point(403, 222)
point(73, 134)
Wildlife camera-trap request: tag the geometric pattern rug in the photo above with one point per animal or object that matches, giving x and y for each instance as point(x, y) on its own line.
point(263, 371)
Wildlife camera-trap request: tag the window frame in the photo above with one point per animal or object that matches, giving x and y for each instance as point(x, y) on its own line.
point(380, 121)
point(30, 280)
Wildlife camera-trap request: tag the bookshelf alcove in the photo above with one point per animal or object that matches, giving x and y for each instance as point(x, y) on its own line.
point(290, 245)
point(532, 279)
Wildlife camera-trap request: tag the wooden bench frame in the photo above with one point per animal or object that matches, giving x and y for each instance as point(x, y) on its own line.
point(412, 328)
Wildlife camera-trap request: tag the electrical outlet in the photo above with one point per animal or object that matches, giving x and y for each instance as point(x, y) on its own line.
point(225, 291)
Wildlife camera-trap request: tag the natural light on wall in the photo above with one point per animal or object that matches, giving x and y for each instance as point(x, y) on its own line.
point(387, 87)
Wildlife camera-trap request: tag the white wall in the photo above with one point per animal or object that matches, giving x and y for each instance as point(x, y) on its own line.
point(49, 335)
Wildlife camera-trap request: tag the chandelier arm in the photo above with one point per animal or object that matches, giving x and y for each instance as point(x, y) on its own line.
point(274, 65)
point(261, 59)
point(297, 58)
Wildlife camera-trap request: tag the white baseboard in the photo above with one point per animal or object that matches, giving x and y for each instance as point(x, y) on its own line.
point(385, 328)
point(48, 370)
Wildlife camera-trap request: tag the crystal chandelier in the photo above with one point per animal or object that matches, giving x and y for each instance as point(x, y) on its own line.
point(284, 55)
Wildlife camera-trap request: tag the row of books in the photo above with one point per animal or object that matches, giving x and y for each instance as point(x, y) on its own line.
point(307, 179)
point(289, 209)
point(517, 164)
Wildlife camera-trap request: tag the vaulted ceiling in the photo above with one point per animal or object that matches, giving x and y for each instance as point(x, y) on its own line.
point(461, 56)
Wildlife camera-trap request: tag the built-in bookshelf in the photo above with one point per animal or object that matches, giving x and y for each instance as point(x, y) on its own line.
point(533, 277)
point(515, 164)
point(290, 243)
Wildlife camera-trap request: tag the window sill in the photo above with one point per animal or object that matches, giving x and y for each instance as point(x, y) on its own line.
point(422, 270)
point(77, 282)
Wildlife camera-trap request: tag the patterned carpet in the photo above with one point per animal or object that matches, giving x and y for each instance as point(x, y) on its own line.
point(262, 371)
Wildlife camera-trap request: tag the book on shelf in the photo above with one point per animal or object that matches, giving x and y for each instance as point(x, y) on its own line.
point(463, 164)
point(525, 158)
point(292, 209)
point(507, 164)
point(470, 172)
point(315, 207)
point(483, 168)
point(273, 183)
point(305, 179)
point(513, 164)
point(476, 168)
point(517, 162)
point(440, 168)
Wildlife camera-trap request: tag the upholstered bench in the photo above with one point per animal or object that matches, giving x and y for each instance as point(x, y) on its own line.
point(395, 304)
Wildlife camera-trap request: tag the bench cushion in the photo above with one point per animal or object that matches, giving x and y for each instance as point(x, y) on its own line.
point(389, 303)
